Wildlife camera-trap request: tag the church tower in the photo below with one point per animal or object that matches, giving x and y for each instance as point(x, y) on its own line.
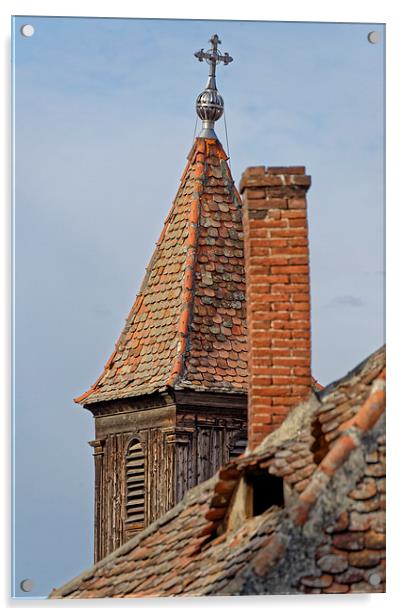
point(171, 404)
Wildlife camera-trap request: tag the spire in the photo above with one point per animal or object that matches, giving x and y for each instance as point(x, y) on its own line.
point(187, 328)
point(209, 104)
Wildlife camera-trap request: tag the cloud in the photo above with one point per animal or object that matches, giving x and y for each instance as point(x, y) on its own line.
point(102, 312)
point(346, 300)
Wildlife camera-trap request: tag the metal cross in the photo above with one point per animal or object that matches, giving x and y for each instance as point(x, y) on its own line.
point(213, 56)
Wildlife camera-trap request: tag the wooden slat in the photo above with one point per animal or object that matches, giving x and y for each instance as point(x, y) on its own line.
point(135, 464)
point(237, 448)
point(132, 472)
point(135, 497)
point(135, 518)
point(135, 507)
point(135, 452)
point(135, 484)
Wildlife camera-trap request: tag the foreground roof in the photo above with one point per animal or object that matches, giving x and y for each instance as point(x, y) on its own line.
point(187, 327)
point(328, 537)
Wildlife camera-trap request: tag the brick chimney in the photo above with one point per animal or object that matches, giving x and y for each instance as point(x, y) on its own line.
point(278, 294)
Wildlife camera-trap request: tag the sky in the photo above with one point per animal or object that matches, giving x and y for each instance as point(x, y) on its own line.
point(104, 113)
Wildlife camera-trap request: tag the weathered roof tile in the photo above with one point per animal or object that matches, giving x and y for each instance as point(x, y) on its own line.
point(200, 243)
point(180, 554)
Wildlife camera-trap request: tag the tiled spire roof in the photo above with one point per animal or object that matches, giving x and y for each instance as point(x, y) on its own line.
point(186, 328)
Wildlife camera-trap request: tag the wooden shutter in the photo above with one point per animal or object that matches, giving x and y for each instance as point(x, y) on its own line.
point(237, 446)
point(135, 482)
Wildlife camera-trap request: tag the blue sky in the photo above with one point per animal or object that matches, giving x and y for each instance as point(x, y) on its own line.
point(104, 120)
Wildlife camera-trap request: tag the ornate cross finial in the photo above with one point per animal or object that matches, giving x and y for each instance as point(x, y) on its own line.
point(209, 103)
point(212, 56)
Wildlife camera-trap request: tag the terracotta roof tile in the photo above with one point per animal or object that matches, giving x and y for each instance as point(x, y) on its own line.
point(187, 327)
point(328, 538)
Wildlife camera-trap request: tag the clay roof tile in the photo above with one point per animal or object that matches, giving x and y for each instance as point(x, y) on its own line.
point(183, 554)
point(167, 322)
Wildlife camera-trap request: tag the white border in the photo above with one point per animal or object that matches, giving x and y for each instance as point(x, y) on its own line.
point(291, 10)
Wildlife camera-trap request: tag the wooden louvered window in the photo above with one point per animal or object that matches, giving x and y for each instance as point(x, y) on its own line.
point(237, 446)
point(135, 483)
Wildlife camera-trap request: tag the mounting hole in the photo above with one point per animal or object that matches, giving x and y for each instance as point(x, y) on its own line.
point(26, 585)
point(373, 37)
point(374, 579)
point(27, 30)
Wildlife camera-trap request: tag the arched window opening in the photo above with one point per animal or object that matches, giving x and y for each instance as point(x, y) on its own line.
point(135, 482)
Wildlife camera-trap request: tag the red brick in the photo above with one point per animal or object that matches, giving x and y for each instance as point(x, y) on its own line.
point(257, 381)
point(258, 234)
point(303, 371)
point(287, 170)
point(279, 343)
point(298, 260)
point(275, 203)
point(285, 250)
point(298, 241)
point(298, 180)
point(258, 204)
point(258, 353)
point(288, 401)
point(301, 306)
point(275, 297)
point(257, 170)
point(270, 391)
point(268, 180)
point(299, 278)
point(290, 233)
point(282, 322)
point(297, 223)
point(279, 410)
point(258, 400)
point(299, 324)
point(290, 269)
point(255, 193)
point(299, 204)
point(301, 297)
point(290, 213)
point(291, 380)
point(301, 333)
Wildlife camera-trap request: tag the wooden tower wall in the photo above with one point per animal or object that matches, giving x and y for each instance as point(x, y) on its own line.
point(184, 440)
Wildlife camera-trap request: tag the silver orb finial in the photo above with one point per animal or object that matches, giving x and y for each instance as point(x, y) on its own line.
point(209, 104)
